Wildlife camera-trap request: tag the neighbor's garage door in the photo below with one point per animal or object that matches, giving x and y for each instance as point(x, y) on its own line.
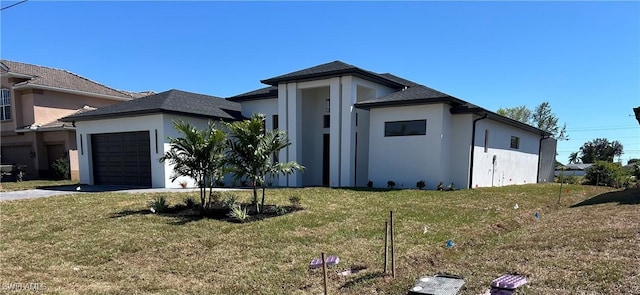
point(121, 158)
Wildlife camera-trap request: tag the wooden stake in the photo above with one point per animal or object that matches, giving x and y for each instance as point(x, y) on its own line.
point(324, 274)
point(393, 260)
point(386, 230)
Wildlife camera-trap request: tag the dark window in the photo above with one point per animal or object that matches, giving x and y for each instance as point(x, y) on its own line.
point(327, 121)
point(404, 128)
point(515, 142)
point(356, 119)
point(274, 118)
point(5, 105)
point(486, 140)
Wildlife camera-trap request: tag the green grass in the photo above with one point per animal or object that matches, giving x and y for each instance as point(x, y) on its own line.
point(33, 184)
point(108, 243)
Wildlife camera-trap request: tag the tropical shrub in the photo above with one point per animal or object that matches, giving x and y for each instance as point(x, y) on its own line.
point(159, 205)
point(295, 201)
point(61, 168)
point(391, 184)
point(607, 174)
point(238, 213)
point(420, 184)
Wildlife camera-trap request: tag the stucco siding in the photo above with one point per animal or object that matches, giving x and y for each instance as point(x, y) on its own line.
point(511, 166)
point(268, 107)
point(406, 159)
point(460, 146)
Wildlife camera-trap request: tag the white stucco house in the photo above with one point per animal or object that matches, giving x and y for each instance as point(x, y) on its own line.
point(347, 125)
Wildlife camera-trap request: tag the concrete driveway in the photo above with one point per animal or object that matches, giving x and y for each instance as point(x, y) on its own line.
point(85, 189)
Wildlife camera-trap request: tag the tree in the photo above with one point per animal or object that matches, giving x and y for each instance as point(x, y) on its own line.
point(607, 173)
point(251, 148)
point(631, 161)
point(541, 117)
point(519, 113)
point(199, 154)
point(600, 149)
point(574, 158)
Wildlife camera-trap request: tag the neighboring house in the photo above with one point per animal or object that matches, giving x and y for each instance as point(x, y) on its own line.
point(347, 126)
point(33, 99)
point(121, 144)
point(573, 169)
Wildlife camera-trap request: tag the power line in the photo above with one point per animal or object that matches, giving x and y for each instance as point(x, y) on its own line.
point(12, 5)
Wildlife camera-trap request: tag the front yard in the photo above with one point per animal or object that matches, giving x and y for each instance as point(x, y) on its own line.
point(109, 243)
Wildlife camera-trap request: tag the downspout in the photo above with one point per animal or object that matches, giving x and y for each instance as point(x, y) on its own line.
point(473, 147)
point(540, 156)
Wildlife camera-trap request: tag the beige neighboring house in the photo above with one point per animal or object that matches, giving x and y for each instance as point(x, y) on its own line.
point(33, 99)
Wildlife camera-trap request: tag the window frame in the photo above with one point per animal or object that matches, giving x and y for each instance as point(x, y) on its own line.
point(515, 142)
point(5, 105)
point(408, 132)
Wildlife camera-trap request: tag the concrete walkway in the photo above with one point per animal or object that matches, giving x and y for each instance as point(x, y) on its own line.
point(85, 189)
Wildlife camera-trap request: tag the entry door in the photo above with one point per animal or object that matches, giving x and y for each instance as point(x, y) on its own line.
point(325, 159)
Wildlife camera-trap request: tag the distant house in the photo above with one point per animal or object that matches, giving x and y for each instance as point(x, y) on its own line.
point(573, 169)
point(347, 125)
point(33, 99)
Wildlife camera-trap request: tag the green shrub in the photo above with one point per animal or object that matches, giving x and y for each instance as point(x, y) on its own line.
point(281, 210)
point(420, 184)
point(391, 184)
point(239, 213)
point(567, 178)
point(370, 184)
point(230, 201)
point(607, 174)
point(159, 205)
point(295, 201)
point(189, 202)
point(61, 168)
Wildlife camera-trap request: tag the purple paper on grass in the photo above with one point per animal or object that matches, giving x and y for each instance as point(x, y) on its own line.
point(509, 281)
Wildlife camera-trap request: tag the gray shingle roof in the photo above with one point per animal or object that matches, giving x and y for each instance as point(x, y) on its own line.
point(50, 77)
point(331, 69)
point(417, 93)
point(172, 101)
point(266, 92)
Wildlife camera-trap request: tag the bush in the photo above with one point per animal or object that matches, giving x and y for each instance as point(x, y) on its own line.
point(281, 210)
point(159, 205)
point(568, 178)
point(420, 184)
point(295, 201)
point(230, 201)
point(607, 174)
point(189, 202)
point(61, 168)
point(370, 184)
point(440, 186)
point(239, 213)
point(391, 184)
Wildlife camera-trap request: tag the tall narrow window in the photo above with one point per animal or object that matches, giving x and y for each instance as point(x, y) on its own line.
point(5, 105)
point(327, 105)
point(515, 142)
point(274, 122)
point(326, 121)
point(356, 119)
point(486, 140)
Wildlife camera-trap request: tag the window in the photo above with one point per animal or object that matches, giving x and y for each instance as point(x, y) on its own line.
point(5, 105)
point(327, 121)
point(515, 142)
point(405, 128)
point(274, 122)
point(486, 140)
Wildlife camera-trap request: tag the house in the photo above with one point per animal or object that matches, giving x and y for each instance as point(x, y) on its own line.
point(33, 99)
point(347, 126)
point(121, 144)
point(573, 169)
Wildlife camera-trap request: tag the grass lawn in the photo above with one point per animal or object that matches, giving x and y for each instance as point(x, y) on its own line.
point(33, 184)
point(109, 243)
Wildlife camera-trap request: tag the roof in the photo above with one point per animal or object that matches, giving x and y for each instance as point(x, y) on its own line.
point(416, 94)
point(171, 101)
point(266, 92)
point(47, 78)
point(331, 69)
point(54, 125)
point(576, 166)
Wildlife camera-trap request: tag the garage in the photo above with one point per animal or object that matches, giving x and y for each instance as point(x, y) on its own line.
point(122, 158)
point(19, 154)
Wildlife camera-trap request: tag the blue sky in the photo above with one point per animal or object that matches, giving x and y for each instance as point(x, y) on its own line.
point(581, 57)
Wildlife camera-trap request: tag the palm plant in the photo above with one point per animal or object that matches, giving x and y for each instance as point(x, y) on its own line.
point(250, 153)
point(199, 154)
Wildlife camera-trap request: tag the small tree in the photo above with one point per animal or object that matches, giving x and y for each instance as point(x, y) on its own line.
point(250, 153)
point(198, 155)
point(606, 173)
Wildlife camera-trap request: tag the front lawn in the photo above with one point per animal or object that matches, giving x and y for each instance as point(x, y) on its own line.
point(109, 243)
point(34, 184)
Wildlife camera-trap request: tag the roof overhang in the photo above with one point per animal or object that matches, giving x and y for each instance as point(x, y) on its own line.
point(399, 103)
point(71, 91)
point(44, 129)
point(137, 114)
point(17, 75)
point(346, 72)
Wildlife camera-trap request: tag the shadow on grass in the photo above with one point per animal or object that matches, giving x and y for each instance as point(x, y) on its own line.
point(362, 279)
point(89, 188)
point(182, 215)
point(625, 197)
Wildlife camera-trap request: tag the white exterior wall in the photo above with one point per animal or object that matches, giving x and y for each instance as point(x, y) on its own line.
point(268, 107)
point(150, 123)
point(164, 132)
point(408, 159)
point(513, 166)
point(460, 146)
point(313, 110)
